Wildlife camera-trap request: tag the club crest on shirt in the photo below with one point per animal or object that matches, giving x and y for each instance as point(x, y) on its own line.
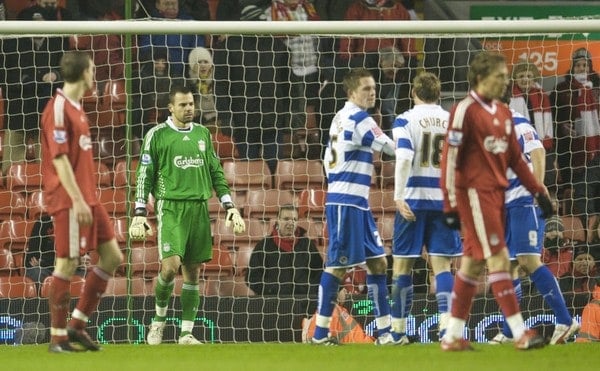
point(85, 142)
point(202, 145)
point(60, 136)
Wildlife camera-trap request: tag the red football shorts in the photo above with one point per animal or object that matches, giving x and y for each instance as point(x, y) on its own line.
point(73, 241)
point(482, 217)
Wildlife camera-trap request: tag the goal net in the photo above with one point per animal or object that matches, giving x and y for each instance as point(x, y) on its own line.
point(268, 100)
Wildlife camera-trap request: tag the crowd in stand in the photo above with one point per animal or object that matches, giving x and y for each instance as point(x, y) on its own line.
point(274, 97)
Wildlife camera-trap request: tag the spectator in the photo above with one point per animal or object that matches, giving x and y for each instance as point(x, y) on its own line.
point(200, 72)
point(49, 9)
point(394, 85)
point(286, 262)
point(40, 255)
point(580, 277)
point(304, 74)
point(594, 239)
point(248, 71)
point(590, 318)
point(558, 252)
point(179, 45)
point(2, 11)
point(30, 73)
point(363, 51)
point(197, 9)
point(151, 91)
point(530, 100)
point(578, 134)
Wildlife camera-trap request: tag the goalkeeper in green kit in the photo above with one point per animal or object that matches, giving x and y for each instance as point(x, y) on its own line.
point(179, 166)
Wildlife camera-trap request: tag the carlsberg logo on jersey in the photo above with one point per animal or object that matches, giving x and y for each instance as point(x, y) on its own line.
point(187, 162)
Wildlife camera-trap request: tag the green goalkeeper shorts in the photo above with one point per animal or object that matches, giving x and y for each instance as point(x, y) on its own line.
point(184, 230)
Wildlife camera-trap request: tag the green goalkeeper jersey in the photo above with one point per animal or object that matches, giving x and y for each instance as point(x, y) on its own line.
point(179, 164)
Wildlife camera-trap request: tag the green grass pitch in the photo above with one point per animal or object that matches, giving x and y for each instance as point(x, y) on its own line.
point(289, 357)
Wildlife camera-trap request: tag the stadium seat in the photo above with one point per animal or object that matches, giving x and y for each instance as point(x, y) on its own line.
point(255, 231)
point(314, 230)
point(118, 286)
point(24, 177)
point(145, 262)
point(264, 204)
point(12, 206)
point(387, 174)
point(109, 145)
point(123, 177)
point(114, 102)
point(77, 283)
point(220, 266)
point(36, 206)
point(2, 111)
point(1, 150)
point(224, 146)
point(241, 258)
point(299, 174)
point(17, 287)
point(574, 229)
point(243, 175)
point(382, 202)
point(7, 264)
point(311, 203)
point(14, 235)
point(115, 200)
point(103, 175)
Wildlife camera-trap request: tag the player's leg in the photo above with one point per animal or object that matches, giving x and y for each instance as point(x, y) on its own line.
point(339, 258)
point(547, 285)
point(96, 280)
point(170, 244)
point(67, 258)
point(377, 278)
point(443, 245)
point(197, 251)
point(407, 246)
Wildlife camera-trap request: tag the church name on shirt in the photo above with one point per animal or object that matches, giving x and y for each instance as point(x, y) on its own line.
point(435, 122)
point(187, 162)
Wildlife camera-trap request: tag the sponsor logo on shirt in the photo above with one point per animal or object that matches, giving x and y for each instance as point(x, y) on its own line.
point(85, 142)
point(60, 136)
point(187, 162)
point(495, 145)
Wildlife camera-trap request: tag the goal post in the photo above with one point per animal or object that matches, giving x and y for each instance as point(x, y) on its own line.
point(254, 165)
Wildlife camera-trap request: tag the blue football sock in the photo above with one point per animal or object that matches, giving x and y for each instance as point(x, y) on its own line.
point(378, 292)
point(327, 296)
point(443, 291)
point(548, 286)
point(402, 296)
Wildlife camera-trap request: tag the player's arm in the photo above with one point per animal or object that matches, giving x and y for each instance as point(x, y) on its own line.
point(66, 176)
point(140, 228)
point(538, 160)
point(368, 133)
point(404, 157)
point(449, 161)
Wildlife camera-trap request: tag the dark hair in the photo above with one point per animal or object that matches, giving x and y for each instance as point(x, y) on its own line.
point(73, 64)
point(175, 89)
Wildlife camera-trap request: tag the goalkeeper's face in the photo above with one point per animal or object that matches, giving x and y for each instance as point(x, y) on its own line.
point(182, 109)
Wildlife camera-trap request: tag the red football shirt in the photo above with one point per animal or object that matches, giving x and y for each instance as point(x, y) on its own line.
point(479, 147)
point(66, 131)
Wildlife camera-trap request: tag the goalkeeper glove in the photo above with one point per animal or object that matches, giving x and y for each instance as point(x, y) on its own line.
point(545, 205)
point(139, 228)
point(452, 220)
point(233, 216)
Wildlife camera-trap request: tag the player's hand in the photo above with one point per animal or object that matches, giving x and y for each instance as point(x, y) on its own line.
point(405, 210)
point(545, 205)
point(233, 216)
point(452, 220)
point(139, 228)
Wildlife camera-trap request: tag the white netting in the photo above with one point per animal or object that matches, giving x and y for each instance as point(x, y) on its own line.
point(269, 127)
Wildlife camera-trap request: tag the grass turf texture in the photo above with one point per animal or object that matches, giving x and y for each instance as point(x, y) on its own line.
point(289, 357)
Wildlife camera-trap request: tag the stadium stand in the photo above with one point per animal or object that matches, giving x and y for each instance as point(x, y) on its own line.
point(17, 287)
